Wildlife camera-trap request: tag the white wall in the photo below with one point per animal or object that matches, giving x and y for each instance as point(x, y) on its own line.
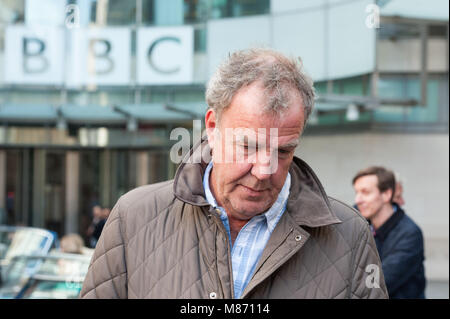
point(423, 164)
point(228, 35)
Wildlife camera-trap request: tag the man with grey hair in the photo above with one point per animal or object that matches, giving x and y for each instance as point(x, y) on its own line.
point(243, 217)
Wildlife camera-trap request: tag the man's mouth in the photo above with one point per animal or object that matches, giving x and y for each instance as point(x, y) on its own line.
point(252, 191)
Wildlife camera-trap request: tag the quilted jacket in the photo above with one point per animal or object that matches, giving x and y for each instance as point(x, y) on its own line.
point(165, 241)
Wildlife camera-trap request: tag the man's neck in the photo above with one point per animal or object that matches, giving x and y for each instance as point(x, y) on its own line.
point(383, 215)
point(235, 224)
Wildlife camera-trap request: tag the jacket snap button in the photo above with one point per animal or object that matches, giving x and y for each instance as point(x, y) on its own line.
point(213, 295)
point(298, 238)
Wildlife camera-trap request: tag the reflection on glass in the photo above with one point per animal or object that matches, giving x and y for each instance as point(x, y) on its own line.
point(12, 11)
point(51, 276)
point(55, 192)
point(238, 8)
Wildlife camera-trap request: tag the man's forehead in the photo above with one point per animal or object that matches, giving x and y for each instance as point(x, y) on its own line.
point(367, 180)
point(286, 122)
point(248, 135)
point(260, 100)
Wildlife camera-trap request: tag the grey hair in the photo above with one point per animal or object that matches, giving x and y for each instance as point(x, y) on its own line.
point(277, 73)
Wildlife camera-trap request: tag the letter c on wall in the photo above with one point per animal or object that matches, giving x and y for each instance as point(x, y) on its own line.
point(150, 51)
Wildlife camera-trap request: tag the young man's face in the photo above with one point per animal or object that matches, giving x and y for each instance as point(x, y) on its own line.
point(368, 197)
point(244, 181)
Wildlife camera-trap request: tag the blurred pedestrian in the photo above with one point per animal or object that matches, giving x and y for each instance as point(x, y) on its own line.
point(105, 212)
point(399, 240)
point(96, 227)
point(72, 243)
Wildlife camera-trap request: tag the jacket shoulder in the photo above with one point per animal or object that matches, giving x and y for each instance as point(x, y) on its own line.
point(405, 232)
point(353, 223)
point(161, 192)
point(356, 232)
point(142, 205)
point(409, 226)
point(345, 212)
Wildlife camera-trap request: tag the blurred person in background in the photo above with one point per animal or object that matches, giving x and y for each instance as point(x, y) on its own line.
point(98, 222)
point(72, 244)
point(399, 240)
point(101, 223)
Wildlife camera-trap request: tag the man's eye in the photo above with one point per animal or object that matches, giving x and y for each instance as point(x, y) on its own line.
point(283, 151)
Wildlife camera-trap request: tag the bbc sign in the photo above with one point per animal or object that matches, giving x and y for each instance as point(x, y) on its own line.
point(98, 56)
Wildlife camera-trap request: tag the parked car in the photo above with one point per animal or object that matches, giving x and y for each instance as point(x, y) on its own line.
point(23, 241)
point(53, 276)
point(32, 265)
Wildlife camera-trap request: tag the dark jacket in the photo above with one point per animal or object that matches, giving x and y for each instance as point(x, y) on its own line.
point(400, 246)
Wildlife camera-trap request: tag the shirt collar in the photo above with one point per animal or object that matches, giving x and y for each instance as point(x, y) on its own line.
point(209, 196)
point(271, 215)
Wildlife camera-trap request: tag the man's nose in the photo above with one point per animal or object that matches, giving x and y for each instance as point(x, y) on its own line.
point(358, 199)
point(264, 167)
point(261, 172)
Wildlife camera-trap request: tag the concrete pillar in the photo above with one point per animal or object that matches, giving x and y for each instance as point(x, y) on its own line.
point(38, 218)
point(151, 166)
point(3, 180)
point(25, 193)
point(72, 194)
point(105, 177)
point(133, 173)
point(3, 212)
point(142, 168)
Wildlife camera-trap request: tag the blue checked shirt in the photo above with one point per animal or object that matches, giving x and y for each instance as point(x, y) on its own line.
point(252, 238)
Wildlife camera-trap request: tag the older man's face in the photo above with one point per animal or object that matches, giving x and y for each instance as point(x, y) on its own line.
point(243, 180)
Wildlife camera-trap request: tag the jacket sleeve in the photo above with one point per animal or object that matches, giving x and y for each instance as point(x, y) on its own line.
point(107, 274)
point(404, 260)
point(367, 280)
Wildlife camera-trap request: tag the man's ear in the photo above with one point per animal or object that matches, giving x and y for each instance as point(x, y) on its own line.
point(211, 125)
point(387, 195)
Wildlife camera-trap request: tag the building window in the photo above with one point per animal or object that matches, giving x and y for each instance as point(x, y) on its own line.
point(400, 47)
point(113, 12)
point(239, 8)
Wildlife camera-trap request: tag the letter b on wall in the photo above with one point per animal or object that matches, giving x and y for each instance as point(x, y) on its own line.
point(33, 56)
point(108, 57)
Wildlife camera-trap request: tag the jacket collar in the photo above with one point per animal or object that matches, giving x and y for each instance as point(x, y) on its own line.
point(308, 203)
point(388, 225)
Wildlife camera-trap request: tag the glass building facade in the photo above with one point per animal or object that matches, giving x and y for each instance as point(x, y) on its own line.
point(65, 148)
